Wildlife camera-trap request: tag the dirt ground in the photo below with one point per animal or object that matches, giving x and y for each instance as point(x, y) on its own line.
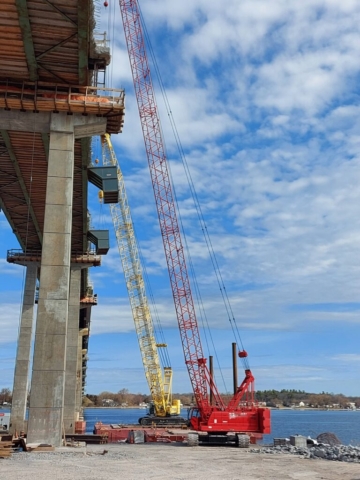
point(169, 461)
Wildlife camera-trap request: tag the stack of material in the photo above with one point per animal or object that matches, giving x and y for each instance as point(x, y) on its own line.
point(6, 448)
point(97, 439)
point(280, 441)
point(39, 447)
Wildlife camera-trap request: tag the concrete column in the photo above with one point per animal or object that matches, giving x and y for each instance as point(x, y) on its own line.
point(45, 423)
point(22, 365)
point(85, 314)
point(70, 403)
point(79, 378)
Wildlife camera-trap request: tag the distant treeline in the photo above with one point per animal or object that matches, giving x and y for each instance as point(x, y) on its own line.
point(272, 398)
point(288, 398)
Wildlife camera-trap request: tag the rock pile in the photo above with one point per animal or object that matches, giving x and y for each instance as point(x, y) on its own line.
point(328, 438)
point(340, 453)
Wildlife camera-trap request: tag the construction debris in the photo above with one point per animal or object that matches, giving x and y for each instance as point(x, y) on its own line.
point(39, 447)
point(99, 439)
point(340, 453)
point(74, 443)
point(328, 438)
point(6, 449)
point(8, 445)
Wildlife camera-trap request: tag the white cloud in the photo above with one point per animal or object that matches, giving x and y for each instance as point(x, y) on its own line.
point(9, 321)
point(265, 99)
point(348, 358)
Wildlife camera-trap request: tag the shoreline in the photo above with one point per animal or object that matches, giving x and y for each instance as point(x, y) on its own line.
point(300, 409)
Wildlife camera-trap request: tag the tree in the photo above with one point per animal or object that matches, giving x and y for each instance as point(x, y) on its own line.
point(93, 399)
point(123, 395)
point(86, 402)
point(5, 395)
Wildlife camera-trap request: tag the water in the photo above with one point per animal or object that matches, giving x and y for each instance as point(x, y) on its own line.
point(344, 423)
point(113, 415)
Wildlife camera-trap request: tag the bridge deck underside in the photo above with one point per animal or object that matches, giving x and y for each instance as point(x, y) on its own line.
point(56, 40)
point(42, 41)
point(23, 170)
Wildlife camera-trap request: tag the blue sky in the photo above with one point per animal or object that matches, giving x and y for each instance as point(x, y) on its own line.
point(265, 97)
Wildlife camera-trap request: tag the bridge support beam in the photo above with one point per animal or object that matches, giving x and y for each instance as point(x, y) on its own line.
point(20, 388)
point(45, 423)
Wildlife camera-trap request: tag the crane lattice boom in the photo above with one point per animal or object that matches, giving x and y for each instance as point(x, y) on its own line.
point(160, 387)
point(238, 415)
point(169, 225)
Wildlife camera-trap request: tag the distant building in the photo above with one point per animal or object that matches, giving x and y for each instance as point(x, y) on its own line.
point(107, 402)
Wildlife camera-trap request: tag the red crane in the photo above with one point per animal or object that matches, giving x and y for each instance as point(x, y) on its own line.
point(241, 415)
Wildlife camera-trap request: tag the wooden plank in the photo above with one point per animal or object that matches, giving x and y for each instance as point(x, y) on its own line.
point(9, 22)
point(6, 15)
point(53, 23)
point(18, 61)
point(11, 30)
point(59, 13)
point(7, 8)
point(13, 43)
point(5, 454)
point(61, 4)
point(42, 449)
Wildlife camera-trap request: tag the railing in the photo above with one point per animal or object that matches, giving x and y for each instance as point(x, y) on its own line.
point(41, 96)
point(18, 255)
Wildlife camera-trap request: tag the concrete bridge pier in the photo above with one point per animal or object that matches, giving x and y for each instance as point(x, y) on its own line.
point(22, 365)
point(48, 377)
point(46, 411)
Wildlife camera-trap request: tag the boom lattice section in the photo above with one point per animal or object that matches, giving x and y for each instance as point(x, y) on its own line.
point(169, 226)
point(241, 414)
point(160, 387)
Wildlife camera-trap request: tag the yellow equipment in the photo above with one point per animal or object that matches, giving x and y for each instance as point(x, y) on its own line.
point(164, 409)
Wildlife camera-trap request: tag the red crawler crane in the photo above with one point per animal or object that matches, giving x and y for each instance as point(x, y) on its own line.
point(241, 418)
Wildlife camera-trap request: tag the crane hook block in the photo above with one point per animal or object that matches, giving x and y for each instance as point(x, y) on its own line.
point(243, 354)
point(106, 4)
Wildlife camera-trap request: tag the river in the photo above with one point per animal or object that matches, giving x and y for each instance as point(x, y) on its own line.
point(344, 423)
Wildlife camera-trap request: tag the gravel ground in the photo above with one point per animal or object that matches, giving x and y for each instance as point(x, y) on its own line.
point(169, 461)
